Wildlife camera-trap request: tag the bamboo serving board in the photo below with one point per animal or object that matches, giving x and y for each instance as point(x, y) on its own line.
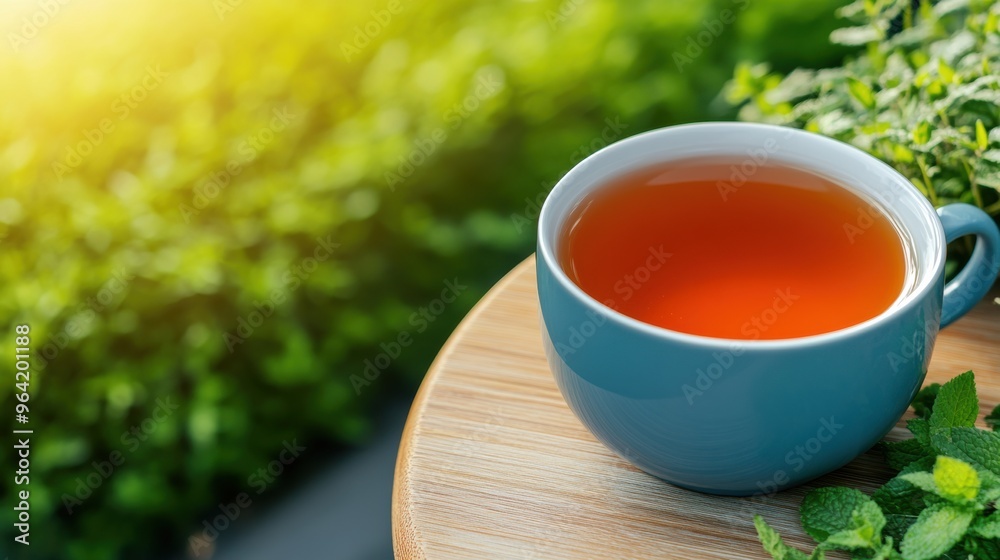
point(493, 464)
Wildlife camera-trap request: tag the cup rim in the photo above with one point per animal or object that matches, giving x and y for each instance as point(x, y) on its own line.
point(907, 302)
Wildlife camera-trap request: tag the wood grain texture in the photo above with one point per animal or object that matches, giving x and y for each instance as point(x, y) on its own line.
point(493, 464)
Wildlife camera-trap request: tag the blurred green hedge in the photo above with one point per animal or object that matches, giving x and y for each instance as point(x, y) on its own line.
point(169, 171)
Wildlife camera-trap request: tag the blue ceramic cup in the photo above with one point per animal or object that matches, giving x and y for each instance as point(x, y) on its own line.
point(742, 417)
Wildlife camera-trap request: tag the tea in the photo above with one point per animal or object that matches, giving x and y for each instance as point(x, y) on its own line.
point(701, 248)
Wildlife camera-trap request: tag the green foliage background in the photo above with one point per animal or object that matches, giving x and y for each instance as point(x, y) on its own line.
point(923, 95)
point(565, 68)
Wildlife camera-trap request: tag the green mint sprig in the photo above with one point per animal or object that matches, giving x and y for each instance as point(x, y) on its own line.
point(922, 93)
point(941, 505)
point(993, 419)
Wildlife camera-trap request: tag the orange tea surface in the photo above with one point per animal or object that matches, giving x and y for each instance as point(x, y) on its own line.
point(710, 250)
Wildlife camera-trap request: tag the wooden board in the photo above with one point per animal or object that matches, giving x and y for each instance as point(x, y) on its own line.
point(493, 464)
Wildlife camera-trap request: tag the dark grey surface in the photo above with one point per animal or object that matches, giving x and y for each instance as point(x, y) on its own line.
point(343, 514)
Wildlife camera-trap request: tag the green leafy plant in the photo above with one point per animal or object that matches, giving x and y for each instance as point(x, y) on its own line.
point(155, 198)
point(942, 504)
point(923, 95)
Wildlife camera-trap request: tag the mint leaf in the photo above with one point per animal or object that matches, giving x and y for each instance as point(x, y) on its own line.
point(923, 100)
point(952, 479)
point(956, 480)
point(899, 454)
point(901, 497)
point(979, 448)
point(935, 508)
point(923, 403)
point(957, 404)
point(937, 530)
point(993, 419)
point(772, 543)
point(987, 527)
point(901, 501)
point(921, 430)
point(867, 521)
point(897, 525)
point(989, 492)
point(922, 480)
point(830, 511)
point(898, 497)
point(887, 552)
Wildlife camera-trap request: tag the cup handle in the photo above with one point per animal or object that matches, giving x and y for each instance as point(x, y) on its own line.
point(975, 280)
